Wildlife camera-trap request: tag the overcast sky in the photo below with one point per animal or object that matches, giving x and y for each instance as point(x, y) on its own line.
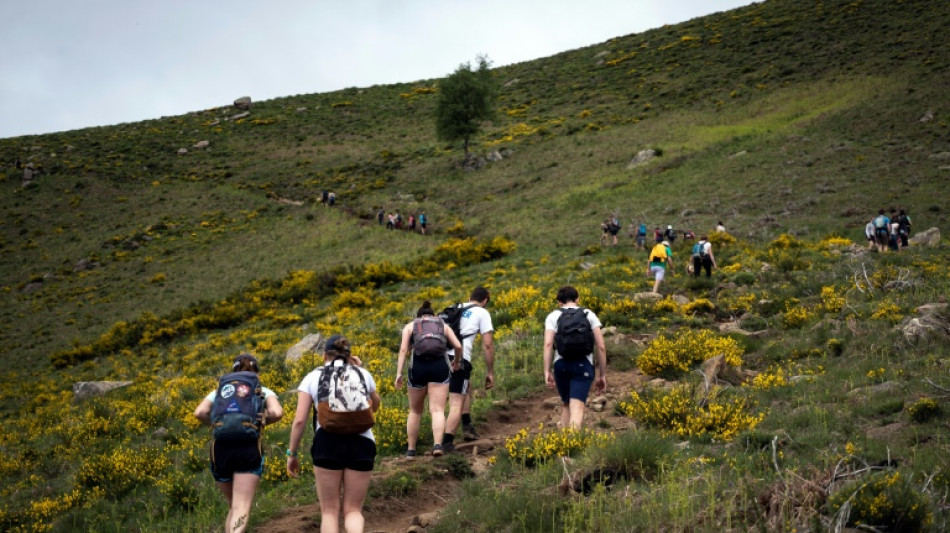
point(69, 64)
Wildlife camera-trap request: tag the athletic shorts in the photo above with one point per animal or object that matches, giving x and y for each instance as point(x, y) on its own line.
point(614, 231)
point(658, 272)
point(573, 378)
point(641, 240)
point(335, 451)
point(230, 458)
point(461, 378)
point(421, 373)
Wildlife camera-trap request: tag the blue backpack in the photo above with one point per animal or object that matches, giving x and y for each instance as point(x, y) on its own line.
point(699, 248)
point(237, 414)
point(642, 230)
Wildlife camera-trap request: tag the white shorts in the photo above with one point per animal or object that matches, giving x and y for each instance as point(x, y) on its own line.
point(658, 272)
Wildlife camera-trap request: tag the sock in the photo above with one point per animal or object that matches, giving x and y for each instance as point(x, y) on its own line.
point(448, 438)
point(466, 419)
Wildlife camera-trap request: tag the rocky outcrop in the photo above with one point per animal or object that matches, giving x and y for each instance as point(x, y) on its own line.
point(243, 103)
point(929, 238)
point(83, 390)
point(643, 157)
point(310, 343)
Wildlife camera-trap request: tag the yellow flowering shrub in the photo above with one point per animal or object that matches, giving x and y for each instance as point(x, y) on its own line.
point(889, 311)
point(390, 429)
point(777, 377)
point(786, 242)
point(831, 300)
point(721, 238)
point(117, 471)
point(797, 316)
point(678, 413)
point(531, 448)
point(361, 297)
point(680, 353)
point(884, 500)
point(835, 242)
point(699, 305)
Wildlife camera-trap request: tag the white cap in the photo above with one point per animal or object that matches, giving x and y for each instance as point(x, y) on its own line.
point(669, 227)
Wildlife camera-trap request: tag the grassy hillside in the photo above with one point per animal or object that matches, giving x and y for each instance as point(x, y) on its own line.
point(126, 260)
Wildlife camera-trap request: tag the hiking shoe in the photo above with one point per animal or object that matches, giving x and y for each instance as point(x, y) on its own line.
point(469, 433)
point(448, 446)
point(437, 450)
point(410, 453)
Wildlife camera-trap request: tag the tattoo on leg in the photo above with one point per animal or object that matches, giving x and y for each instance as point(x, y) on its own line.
point(239, 522)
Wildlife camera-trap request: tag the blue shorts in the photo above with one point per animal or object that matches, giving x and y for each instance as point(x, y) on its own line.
point(228, 459)
point(421, 372)
point(573, 378)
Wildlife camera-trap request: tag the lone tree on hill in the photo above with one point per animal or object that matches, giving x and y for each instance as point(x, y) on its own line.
point(466, 98)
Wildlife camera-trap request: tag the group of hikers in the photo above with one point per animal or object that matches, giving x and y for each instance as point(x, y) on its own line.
point(396, 221)
point(888, 232)
point(339, 398)
point(660, 257)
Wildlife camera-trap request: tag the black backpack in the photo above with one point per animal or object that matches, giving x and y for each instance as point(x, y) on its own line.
point(237, 414)
point(575, 336)
point(428, 338)
point(452, 316)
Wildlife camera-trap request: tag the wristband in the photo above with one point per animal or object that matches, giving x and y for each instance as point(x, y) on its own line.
point(291, 454)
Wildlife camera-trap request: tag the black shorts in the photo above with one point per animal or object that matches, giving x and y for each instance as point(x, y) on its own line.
point(422, 372)
point(461, 378)
point(335, 451)
point(231, 458)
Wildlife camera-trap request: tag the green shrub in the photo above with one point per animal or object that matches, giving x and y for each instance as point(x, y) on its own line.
point(924, 410)
point(885, 501)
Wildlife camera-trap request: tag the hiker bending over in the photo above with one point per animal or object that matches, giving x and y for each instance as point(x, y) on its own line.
point(426, 340)
point(703, 257)
point(237, 453)
point(343, 448)
point(572, 339)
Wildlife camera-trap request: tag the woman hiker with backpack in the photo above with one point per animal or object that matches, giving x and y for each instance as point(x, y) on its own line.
point(344, 399)
point(428, 339)
point(574, 342)
point(237, 411)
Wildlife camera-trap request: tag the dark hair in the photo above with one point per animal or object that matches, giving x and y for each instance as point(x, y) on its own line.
point(703, 238)
point(426, 309)
point(479, 293)
point(337, 346)
point(567, 294)
point(246, 363)
point(880, 211)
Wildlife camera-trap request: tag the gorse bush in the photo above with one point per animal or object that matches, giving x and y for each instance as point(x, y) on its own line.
point(530, 448)
point(885, 501)
point(680, 413)
point(675, 355)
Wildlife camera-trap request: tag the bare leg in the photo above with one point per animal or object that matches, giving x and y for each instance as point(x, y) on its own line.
point(355, 485)
point(328, 492)
point(456, 405)
point(242, 494)
point(417, 398)
point(226, 489)
point(438, 394)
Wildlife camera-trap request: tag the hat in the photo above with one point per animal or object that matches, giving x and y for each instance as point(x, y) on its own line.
point(665, 243)
point(669, 227)
point(337, 342)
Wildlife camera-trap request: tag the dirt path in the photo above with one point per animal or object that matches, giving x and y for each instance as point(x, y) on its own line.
point(394, 515)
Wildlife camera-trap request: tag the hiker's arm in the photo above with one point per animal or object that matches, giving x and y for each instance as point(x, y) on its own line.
point(600, 353)
point(304, 404)
point(272, 410)
point(548, 357)
point(456, 346)
point(203, 411)
point(375, 401)
point(403, 352)
point(488, 343)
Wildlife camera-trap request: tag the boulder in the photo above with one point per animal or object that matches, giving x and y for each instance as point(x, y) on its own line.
point(240, 115)
point(929, 238)
point(90, 389)
point(311, 342)
point(201, 144)
point(711, 368)
point(680, 299)
point(647, 297)
point(886, 388)
point(642, 157)
point(494, 156)
point(243, 103)
point(182, 151)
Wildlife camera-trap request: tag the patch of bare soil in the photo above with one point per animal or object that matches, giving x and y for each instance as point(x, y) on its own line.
point(397, 515)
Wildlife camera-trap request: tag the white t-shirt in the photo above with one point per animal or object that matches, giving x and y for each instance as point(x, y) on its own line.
point(869, 230)
point(311, 382)
point(550, 324)
point(475, 320)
